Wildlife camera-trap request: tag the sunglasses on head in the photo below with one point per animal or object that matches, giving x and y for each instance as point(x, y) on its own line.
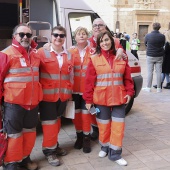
point(60, 35)
point(22, 34)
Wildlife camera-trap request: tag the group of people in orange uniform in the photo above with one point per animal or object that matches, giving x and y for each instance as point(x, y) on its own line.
point(94, 72)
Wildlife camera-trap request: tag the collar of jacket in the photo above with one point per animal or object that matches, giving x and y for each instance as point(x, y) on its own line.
point(21, 49)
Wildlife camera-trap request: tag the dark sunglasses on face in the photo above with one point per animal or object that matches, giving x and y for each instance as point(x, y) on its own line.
point(22, 34)
point(60, 35)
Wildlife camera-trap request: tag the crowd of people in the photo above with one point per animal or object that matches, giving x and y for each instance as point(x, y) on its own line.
point(132, 44)
point(93, 73)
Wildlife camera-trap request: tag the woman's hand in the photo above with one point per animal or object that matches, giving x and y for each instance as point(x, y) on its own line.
point(88, 106)
point(128, 99)
point(120, 54)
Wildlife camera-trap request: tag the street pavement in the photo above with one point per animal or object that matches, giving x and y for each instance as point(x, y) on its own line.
point(146, 144)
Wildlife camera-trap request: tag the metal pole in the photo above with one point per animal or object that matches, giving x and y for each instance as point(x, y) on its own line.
point(20, 6)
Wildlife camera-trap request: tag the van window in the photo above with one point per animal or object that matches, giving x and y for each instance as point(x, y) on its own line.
point(80, 19)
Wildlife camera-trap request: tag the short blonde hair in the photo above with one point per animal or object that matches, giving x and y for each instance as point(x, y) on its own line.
point(79, 29)
point(167, 36)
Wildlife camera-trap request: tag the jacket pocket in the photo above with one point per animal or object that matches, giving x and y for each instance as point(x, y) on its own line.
point(15, 92)
point(99, 96)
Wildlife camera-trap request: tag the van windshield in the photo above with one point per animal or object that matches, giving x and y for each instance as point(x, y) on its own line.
point(80, 19)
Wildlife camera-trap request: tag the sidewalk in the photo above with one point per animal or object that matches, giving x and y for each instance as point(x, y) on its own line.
point(146, 143)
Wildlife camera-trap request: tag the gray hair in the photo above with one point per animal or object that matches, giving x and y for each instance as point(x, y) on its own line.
point(19, 25)
point(99, 19)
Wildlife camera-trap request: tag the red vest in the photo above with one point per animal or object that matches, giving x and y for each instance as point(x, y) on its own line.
point(109, 88)
point(55, 81)
point(21, 84)
point(80, 68)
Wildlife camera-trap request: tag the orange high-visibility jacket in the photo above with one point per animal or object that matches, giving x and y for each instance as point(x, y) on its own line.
point(55, 81)
point(109, 88)
point(80, 68)
point(21, 84)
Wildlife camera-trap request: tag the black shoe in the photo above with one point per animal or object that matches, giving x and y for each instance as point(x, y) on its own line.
point(79, 142)
point(86, 144)
point(95, 133)
point(167, 86)
point(28, 164)
point(10, 166)
point(155, 86)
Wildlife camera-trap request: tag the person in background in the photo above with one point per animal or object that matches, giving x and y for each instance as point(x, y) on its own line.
point(98, 27)
point(127, 38)
point(115, 35)
point(135, 44)
point(166, 63)
point(124, 41)
point(82, 121)
point(154, 42)
point(56, 78)
point(22, 92)
point(109, 87)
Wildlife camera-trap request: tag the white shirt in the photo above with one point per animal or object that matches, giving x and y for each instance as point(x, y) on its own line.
point(82, 53)
point(59, 56)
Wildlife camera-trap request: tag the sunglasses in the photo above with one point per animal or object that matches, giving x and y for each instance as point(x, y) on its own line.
point(60, 35)
point(22, 34)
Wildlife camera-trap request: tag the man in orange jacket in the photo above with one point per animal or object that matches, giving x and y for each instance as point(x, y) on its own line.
point(22, 92)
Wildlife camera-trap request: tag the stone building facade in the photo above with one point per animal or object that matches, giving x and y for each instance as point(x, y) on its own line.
point(135, 15)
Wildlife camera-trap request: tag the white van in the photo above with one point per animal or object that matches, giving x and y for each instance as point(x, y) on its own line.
point(44, 14)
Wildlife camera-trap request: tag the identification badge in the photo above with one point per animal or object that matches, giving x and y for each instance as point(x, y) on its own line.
point(23, 62)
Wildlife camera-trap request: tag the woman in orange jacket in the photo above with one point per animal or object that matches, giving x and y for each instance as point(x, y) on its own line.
point(109, 86)
point(82, 121)
point(56, 79)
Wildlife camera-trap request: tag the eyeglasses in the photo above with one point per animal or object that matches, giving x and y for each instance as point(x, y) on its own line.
point(22, 34)
point(98, 26)
point(60, 35)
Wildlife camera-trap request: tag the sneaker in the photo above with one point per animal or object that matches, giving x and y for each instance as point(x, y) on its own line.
point(146, 89)
point(121, 162)
point(61, 151)
point(28, 164)
point(102, 154)
point(159, 90)
point(52, 160)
